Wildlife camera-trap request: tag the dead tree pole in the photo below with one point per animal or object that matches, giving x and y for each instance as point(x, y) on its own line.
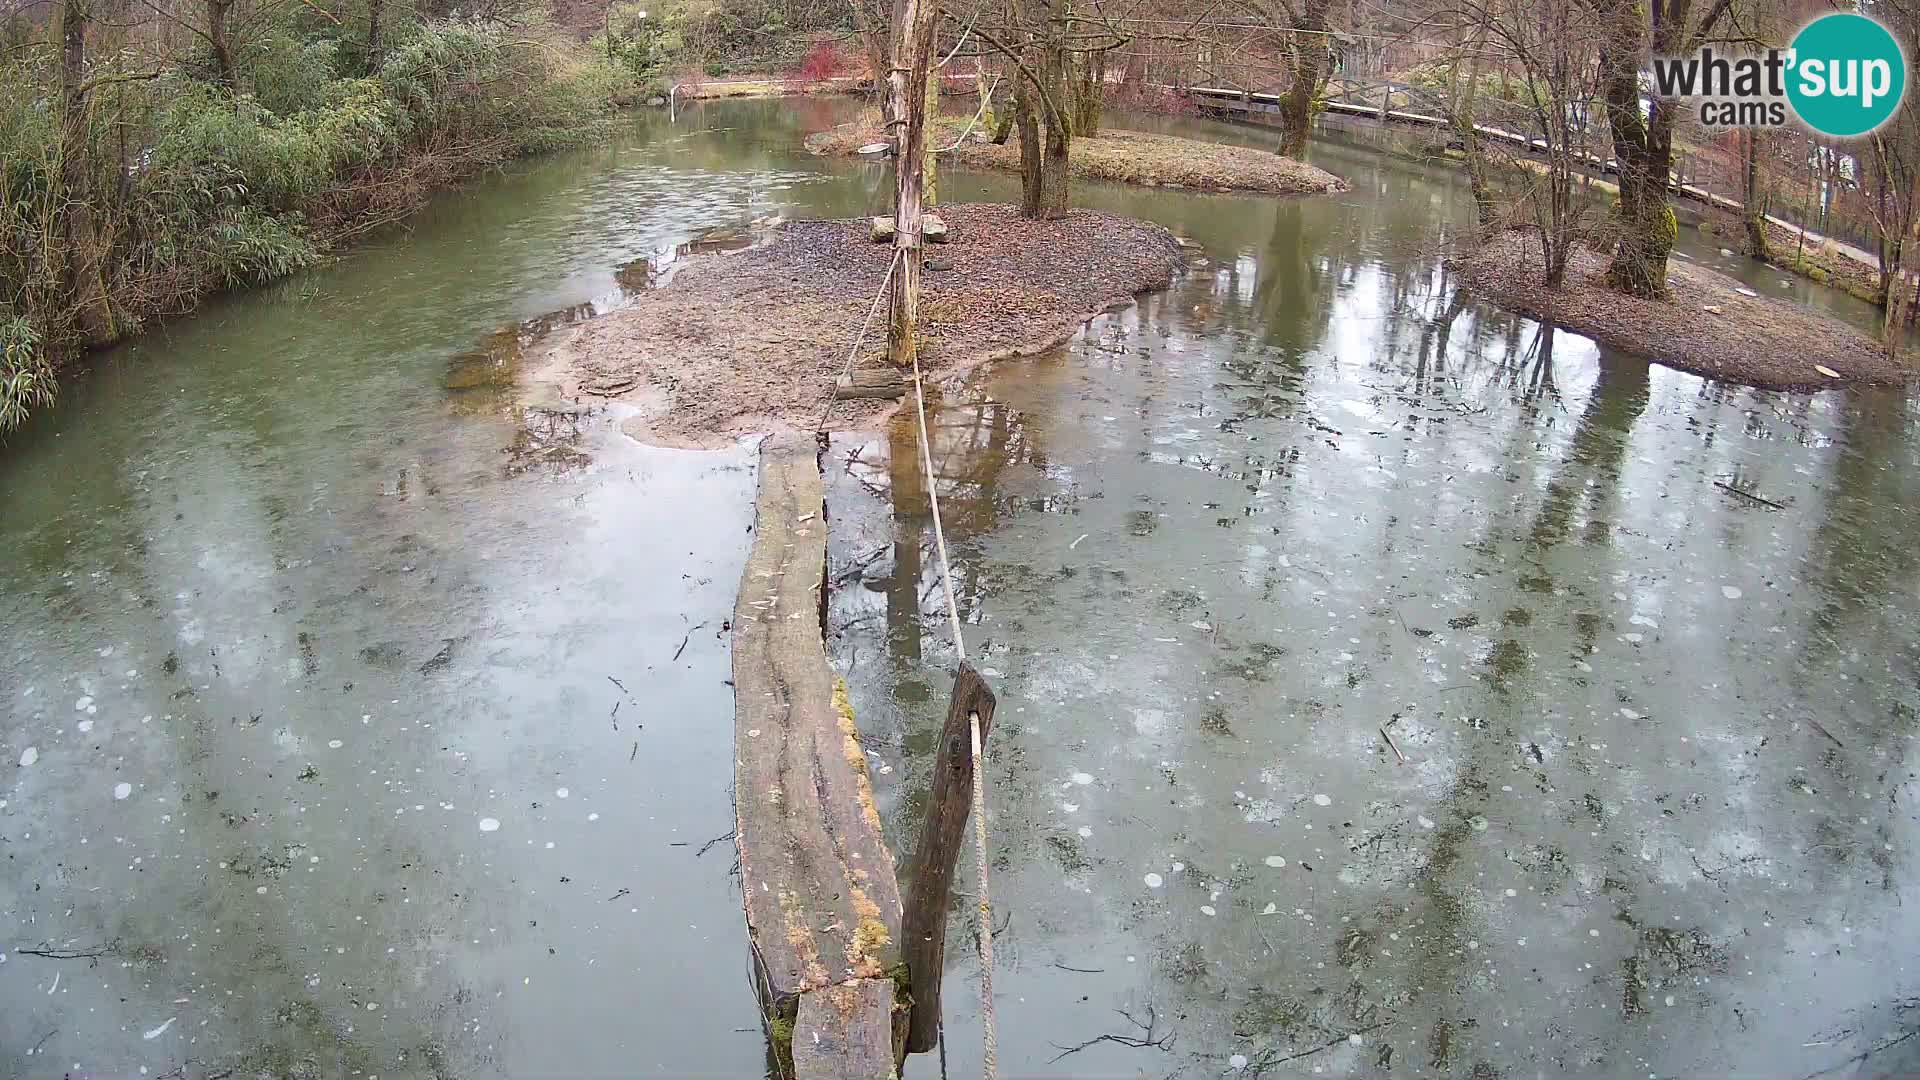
point(923, 928)
point(913, 23)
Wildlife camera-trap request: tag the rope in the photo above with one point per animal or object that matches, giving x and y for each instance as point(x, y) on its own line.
point(858, 338)
point(985, 100)
point(990, 1058)
point(990, 1052)
point(933, 500)
point(990, 1065)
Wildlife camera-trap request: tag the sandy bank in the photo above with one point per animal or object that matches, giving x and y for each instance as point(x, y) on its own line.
point(751, 341)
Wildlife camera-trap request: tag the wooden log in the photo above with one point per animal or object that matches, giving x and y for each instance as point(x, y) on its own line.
point(846, 1031)
point(913, 27)
point(870, 383)
point(942, 835)
point(822, 902)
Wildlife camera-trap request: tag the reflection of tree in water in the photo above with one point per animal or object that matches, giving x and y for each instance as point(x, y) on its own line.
point(972, 447)
point(1433, 936)
point(1278, 302)
point(1430, 363)
point(1863, 546)
point(1590, 477)
point(1862, 559)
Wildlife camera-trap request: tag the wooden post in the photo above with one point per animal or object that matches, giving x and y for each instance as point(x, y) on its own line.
point(942, 834)
point(822, 903)
point(907, 107)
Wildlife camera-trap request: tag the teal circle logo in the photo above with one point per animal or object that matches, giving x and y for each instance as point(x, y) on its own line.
point(1848, 75)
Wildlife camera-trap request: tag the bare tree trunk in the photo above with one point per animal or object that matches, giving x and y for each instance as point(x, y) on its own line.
point(869, 26)
point(929, 157)
point(1089, 86)
point(220, 39)
point(1643, 145)
point(1829, 192)
point(907, 94)
point(1030, 162)
point(1806, 215)
point(1053, 174)
point(373, 35)
point(1886, 240)
point(1899, 295)
point(991, 123)
point(1466, 125)
point(1097, 103)
point(1309, 71)
point(74, 218)
point(1004, 118)
point(1753, 199)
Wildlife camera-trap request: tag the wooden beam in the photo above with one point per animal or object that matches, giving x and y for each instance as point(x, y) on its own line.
point(846, 1031)
point(822, 902)
point(942, 835)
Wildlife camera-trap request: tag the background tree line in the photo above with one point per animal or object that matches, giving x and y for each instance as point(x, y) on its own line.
point(153, 151)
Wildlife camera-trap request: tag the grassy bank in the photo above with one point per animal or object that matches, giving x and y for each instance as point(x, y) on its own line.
point(1125, 157)
point(164, 185)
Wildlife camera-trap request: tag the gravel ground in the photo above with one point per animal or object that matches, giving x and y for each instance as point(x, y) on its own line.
point(752, 341)
point(1710, 327)
point(1127, 157)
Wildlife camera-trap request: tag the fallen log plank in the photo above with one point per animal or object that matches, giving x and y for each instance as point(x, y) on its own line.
point(822, 901)
point(846, 1030)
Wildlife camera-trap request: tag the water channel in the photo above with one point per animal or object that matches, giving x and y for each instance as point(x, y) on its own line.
point(1388, 685)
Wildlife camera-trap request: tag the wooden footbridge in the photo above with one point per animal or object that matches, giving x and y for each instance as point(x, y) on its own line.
point(847, 976)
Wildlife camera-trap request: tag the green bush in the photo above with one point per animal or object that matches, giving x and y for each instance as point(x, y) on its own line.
point(26, 379)
point(192, 187)
point(640, 46)
point(289, 74)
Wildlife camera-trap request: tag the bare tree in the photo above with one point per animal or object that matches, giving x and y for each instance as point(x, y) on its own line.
point(1753, 196)
point(1312, 62)
point(1643, 137)
point(1552, 45)
point(375, 44)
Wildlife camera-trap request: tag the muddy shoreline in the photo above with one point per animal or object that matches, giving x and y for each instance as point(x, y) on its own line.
point(751, 341)
point(1139, 158)
point(1713, 326)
